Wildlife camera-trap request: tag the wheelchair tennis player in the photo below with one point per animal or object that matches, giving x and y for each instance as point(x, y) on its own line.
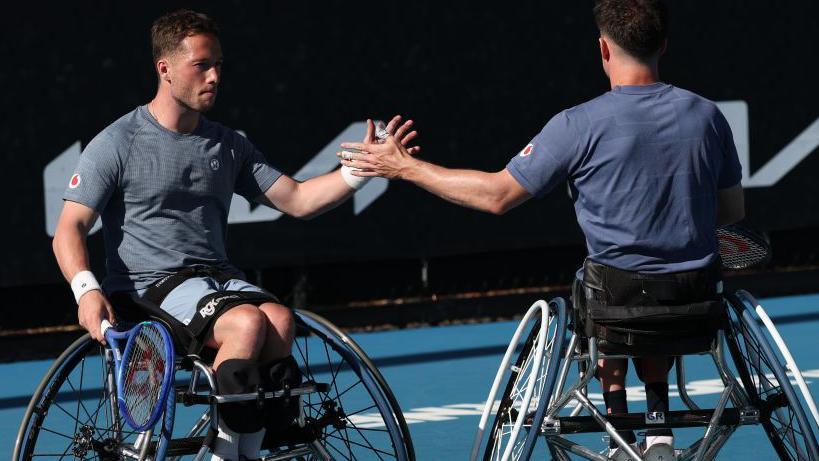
point(652, 170)
point(162, 178)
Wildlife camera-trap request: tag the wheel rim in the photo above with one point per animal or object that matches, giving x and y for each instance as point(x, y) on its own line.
point(72, 417)
point(770, 390)
point(512, 399)
point(349, 419)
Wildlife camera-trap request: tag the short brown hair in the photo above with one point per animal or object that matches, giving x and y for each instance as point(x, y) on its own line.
point(639, 26)
point(169, 30)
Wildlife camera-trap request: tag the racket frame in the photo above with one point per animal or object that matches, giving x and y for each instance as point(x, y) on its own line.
point(114, 339)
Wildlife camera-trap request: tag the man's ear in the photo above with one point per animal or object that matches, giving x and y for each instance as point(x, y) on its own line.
point(163, 70)
point(664, 47)
point(605, 52)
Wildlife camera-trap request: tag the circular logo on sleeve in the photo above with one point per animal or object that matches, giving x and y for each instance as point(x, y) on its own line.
point(527, 150)
point(214, 163)
point(75, 181)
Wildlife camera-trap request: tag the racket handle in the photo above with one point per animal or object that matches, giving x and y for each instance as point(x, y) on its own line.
point(105, 325)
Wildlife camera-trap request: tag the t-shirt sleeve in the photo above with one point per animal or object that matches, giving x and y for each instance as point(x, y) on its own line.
point(255, 174)
point(730, 173)
point(97, 174)
point(546, 161)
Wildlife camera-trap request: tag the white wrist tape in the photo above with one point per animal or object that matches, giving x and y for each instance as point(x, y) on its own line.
point(82, 283)
point(356, 182)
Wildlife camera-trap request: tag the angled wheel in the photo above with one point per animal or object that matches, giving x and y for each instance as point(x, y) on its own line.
point(358, 416)
point(529, 388)
point(72, 414)
point(768, 386)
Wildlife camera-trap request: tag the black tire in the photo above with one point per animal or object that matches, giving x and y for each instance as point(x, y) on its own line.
point(768, 388)
point(507, 414)
point(362, 417)
point(71, 412)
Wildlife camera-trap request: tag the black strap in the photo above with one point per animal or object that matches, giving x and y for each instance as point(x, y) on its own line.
point(157, 291)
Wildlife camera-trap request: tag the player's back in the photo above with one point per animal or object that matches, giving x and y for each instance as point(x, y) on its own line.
point(644, 164)
point(655, 156)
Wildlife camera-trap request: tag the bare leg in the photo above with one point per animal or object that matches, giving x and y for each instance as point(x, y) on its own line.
point(280, 332)
point(612, 375)
point(239, 333)
point(654, 373)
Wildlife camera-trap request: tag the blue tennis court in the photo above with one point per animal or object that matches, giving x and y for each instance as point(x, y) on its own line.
point(441, 376)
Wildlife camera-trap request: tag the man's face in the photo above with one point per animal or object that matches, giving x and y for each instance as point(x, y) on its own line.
point(194, 71)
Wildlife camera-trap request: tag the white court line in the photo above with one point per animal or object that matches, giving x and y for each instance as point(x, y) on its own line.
point(458, 410)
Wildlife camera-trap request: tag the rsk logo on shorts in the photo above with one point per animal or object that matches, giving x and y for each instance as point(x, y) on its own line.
point(75, 181)
point(210, 308)
point(214, 163)
point(527, 150)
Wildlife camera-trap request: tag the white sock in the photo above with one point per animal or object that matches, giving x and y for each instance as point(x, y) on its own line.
point(226, 445)
point(655, 439)
point(250, 444)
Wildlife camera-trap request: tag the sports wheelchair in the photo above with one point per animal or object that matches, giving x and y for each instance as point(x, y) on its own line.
point(347, 410)
point(538, 408)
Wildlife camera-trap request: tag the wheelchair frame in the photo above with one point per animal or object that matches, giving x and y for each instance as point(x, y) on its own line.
point(326, 427)
point(756, 398)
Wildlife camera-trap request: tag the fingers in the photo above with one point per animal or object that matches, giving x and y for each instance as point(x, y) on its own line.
point(346, 155)
point(364, 173)
point(392, 124)
point(399, 133)
point(358, 164)
point(369, 136)
point(356, 146)
point(414, 150)
point(406, 139)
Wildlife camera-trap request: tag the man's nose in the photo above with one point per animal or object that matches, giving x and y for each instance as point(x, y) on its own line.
point(213, 75)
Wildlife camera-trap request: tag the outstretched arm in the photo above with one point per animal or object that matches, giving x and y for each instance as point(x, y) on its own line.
point(322, 193)
point(492, 192)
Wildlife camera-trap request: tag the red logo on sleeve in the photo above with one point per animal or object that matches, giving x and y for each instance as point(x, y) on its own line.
point(527, 150)
point(75, 181)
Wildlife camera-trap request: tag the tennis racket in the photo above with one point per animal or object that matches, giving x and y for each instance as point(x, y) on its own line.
point(144, 371)
point(741, 248)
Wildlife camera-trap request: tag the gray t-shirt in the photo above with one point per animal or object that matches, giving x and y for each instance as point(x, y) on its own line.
point(643, 164)
point(163, 196)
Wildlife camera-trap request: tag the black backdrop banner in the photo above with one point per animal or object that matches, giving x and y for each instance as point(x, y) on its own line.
point(480, 82)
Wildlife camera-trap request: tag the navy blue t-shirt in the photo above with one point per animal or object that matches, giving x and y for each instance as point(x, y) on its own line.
point(643, 164)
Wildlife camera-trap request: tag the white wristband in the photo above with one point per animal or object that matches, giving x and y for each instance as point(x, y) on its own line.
point(356, 182)
point(82, 283)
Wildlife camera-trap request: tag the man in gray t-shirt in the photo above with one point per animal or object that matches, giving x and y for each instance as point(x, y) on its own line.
point(162, 178)
point(652, 170)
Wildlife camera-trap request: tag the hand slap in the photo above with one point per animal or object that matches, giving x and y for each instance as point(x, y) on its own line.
point(388, 160)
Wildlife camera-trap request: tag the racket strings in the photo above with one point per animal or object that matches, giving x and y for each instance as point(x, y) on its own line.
point(739, 251)
point(144, 371)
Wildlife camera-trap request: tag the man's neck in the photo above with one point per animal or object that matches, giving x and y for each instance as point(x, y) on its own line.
point(172, 115)
point(633, 75)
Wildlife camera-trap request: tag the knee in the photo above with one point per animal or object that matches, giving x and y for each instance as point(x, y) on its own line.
point(281, 319)
point(612, 370)
point(244, 322)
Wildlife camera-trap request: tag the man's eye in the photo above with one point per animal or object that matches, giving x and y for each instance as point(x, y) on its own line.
point(203, 65)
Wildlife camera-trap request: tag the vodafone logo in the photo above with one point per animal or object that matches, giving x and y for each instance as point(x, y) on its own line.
point(75, 181)
point(527, 150)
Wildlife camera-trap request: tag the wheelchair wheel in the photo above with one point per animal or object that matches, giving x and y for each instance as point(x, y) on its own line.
point(523, 373)
point(769, 389)
point(72, 414)
point(358, 417)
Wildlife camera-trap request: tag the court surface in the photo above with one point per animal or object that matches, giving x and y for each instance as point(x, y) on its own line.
point(441, 376)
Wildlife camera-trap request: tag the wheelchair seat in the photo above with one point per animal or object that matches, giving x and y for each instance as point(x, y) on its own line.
point(640, 314)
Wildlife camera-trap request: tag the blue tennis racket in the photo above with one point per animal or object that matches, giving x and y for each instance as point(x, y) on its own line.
point(144, 371)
